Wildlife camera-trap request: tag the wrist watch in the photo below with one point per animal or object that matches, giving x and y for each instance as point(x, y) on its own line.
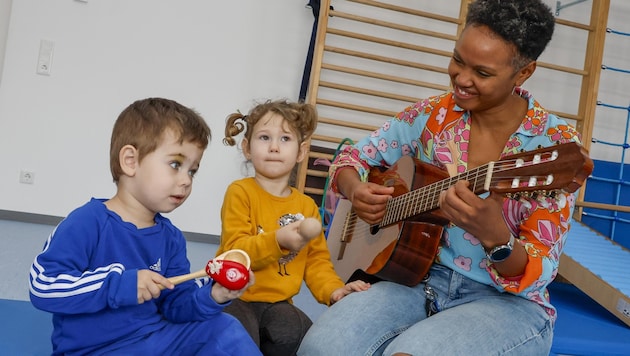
point(502, 252)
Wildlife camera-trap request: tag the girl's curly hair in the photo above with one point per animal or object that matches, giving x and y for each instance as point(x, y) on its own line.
point(301, 117)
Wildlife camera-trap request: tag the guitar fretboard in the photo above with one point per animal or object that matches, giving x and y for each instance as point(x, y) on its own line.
point(425, 199)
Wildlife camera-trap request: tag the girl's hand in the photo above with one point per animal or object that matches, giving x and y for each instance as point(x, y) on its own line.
point(289, 237)
point(222, 295)
point(354, 286)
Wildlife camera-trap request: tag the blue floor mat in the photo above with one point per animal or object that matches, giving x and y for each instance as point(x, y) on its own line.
point(25, 331)
point(584, 327)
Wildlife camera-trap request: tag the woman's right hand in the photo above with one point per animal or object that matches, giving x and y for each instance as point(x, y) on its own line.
point(369, 201)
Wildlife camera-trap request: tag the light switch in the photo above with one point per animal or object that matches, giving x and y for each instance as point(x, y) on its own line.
point(44, 60)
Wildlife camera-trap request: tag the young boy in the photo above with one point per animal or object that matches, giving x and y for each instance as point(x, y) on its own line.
point(103, 271)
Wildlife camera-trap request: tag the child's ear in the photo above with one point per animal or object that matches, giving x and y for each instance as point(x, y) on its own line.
point(128, 158)
point(303, 151)
point(245, 148)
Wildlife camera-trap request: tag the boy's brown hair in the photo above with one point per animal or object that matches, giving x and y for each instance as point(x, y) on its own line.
point(143, 123)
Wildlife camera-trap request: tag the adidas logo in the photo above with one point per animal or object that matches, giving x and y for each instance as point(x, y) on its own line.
point(157, 267)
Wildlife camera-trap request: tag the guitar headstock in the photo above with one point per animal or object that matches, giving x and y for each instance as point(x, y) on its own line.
point(562, 167)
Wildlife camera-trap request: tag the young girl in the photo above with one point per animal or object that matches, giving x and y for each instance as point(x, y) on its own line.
point(262, 215)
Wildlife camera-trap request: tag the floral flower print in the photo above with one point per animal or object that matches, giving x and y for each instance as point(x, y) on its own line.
point(463, 262)
point(561, 133)
point(535, 296)
point(426, 137)
point(535, 120)
point(472, 239)
point(369, 150)
point(441, 115)
point(409, 114)
point(532, 250)
point(446, 239)
point(513, 144)
point(546, 232)
point(382, 145)
point(443, 155)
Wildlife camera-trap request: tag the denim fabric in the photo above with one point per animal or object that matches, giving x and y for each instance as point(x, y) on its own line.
point(474, 319)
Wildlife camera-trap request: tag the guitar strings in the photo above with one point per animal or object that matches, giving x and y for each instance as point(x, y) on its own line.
point(425, 199)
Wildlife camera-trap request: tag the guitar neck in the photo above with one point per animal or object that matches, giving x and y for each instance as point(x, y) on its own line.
point(426, 199)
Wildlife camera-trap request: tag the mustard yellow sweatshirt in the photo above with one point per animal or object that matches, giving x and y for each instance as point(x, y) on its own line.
point(250, 218)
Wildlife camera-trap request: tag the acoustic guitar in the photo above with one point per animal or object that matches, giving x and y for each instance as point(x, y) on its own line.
point(402, 247)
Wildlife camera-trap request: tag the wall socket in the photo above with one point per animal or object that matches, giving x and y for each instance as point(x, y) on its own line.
point(27, 177)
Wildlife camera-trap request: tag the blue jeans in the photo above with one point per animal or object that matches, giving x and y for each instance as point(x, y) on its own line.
point(473, 319)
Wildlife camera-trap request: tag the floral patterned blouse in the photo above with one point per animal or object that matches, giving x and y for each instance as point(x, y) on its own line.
point(437, 131)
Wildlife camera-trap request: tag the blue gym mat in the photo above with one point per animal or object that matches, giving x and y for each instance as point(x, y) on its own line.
point(25, 331)
point(584, 327)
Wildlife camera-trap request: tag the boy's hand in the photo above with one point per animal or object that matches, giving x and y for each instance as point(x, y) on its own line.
point(354, 286)
point(149, 283)
point(221, 295)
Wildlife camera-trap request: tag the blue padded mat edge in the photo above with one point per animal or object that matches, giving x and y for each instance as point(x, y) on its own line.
point(26, 330)
point(584, 327)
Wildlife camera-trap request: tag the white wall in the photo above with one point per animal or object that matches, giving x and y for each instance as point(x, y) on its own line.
point(214, 56)
point(5, 14)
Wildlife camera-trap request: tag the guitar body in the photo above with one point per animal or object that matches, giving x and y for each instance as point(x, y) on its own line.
point(402, 247)
point(400, 253)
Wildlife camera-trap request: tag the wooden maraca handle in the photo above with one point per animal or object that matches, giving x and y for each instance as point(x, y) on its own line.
point(186, 277)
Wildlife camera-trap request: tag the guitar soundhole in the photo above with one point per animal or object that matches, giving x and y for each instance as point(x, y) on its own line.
point(374, 229)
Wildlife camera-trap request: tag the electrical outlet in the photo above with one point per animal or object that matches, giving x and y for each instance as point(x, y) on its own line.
point(27, 177)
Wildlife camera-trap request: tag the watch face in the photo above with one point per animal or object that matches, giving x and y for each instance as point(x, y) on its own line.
point(501, 254)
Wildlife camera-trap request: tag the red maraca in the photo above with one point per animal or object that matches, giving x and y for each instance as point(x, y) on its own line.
point(230, 269)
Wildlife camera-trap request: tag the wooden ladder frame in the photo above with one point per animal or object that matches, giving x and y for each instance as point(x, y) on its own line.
point(350, 110)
